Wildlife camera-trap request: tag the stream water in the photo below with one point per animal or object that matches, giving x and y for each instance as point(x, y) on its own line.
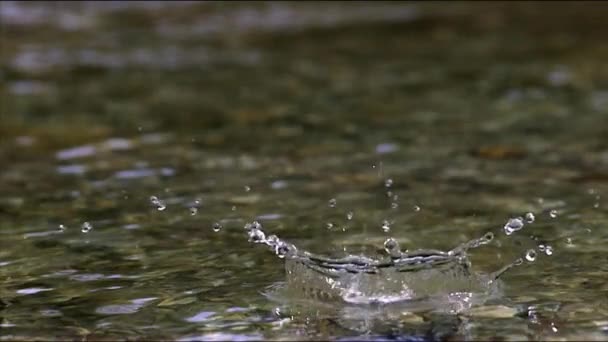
point(137, 139)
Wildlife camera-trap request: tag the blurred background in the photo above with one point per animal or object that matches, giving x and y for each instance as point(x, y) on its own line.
point(439, 119)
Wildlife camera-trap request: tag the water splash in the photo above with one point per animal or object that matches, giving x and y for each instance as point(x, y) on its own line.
point(403, 276)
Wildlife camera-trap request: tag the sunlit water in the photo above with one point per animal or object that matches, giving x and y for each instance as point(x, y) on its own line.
point(137, 140)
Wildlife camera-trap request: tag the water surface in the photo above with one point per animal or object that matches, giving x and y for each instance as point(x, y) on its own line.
point(475, 113)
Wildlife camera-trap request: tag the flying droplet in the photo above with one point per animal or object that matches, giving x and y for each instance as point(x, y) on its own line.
point(193, 211)
point(553, 213)
point(530, 217)
point(272, 240)
point(489, 236)
point(541, 248)
point(62, 228)
point(332, 203)
point(253, 225)
point(86, 227)
point(281, 249)
point(247, 188)
point(569, 241)
point(234, 208)
point(329, 225)
point(216, 227)
point(391, 246)
point(349, 215)
point(513, 225)
point(386, 226)
point(388, 183)
point(416, 208)
point(531, 255)
point(256, 236)
point(548, 250)
point(394, 205)
point(160, 205)
point(596, 205)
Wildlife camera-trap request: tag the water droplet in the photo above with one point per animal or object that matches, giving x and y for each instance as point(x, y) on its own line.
point(416, 208)
point(349, 215)
point(256, 236)
point(386, 226)
point(553, 213)
point(531, 255)
point(272, 240)
point(388, 183)
point(160, 205)
point(86, 227)
point(216, 227)
point(530, 217)
point(489, 236)
point(394, 205)
point(247, 188)
point(569, 241)
point(234, 208)
point(332, 203)
point(549, 250)
point(282, 249)
point(596, 205)
point(253, 225)
point(541, 248)
point(193, 211)
point(513, 225)
point(62, 228)
point(391, 246)
point(329, 225)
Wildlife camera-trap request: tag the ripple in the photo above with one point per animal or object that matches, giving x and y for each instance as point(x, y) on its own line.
point(200, 317)
point(124, 309)
point(221, 337)
point(386, 148)
point(268, 217)
point(33, 290)
point(41, 234)
point(76, 152)
point(74, 169)
point(50, 313)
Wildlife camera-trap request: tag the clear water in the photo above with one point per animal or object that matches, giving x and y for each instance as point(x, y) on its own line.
point(297, 117)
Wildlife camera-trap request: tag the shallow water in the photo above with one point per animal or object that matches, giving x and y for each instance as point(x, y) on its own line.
point(476, 113)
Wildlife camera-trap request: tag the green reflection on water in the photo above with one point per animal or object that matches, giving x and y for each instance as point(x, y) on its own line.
point(489, 111)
